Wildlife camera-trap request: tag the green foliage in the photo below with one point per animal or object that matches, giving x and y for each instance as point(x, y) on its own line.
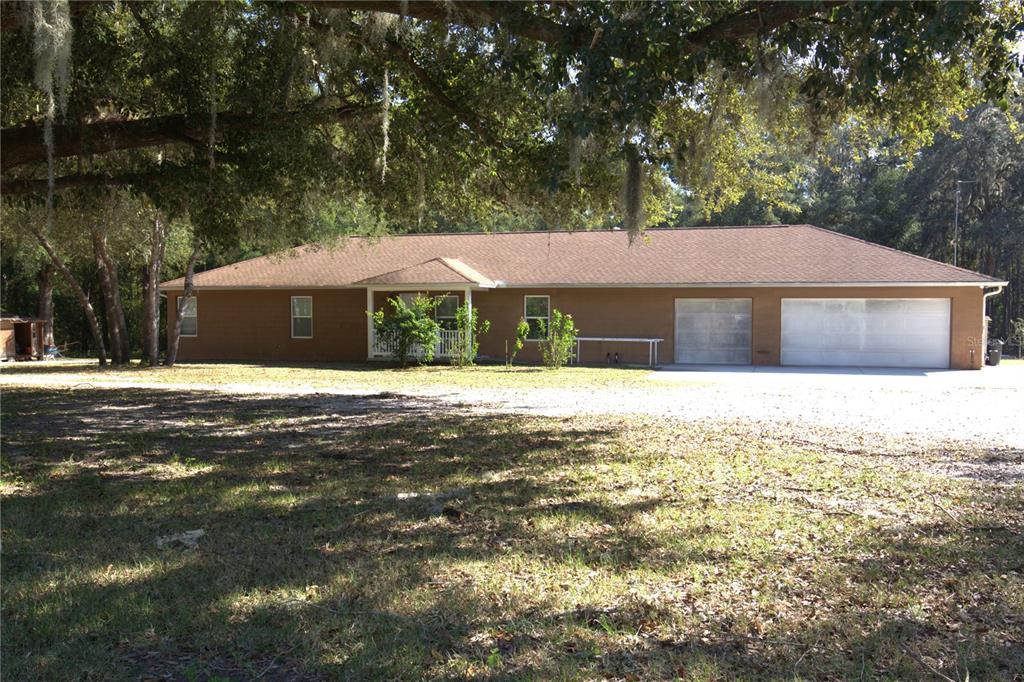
point(1016, 335)
point(469, 326)
point(522, 332)
point(409, 330)
point(864, 184)
point(534, 105)
point(127, 218)
point(558, 344)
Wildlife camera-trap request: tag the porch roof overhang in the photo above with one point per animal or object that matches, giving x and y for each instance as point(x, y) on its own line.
point(433, 273)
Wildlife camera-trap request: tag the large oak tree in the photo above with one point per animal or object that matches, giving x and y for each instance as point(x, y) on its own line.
point(504, 103)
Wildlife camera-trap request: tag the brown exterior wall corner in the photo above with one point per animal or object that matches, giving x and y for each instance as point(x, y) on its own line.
point(248, 324)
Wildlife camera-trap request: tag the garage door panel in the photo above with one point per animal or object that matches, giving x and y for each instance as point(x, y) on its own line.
point(713, 331)
point(866, 332)
point(694, 340)
point(710, 357)
point(696, 305)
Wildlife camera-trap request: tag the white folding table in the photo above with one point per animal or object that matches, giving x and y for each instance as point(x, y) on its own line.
point(652, 345)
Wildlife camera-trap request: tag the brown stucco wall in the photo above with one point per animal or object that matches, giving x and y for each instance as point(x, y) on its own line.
point(651, 313)
point(255, 324)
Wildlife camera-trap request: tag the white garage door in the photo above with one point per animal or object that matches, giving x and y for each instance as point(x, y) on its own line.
point(713, 331)
point(866, 332)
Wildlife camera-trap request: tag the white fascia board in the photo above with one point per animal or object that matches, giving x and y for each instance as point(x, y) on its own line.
point(596, 285)
point(331, 287)
point(747, 285)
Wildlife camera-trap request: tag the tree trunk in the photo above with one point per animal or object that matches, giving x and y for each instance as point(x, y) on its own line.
point(90, 313)
point(172, 343)
point(110, 299)
point(146, 314)
point(45, 279)
point(115, 288)
point(151, 293)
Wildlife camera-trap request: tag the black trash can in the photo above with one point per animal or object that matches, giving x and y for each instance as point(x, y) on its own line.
point(995, 352)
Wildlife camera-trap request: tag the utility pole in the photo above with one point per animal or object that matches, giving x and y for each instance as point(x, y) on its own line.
point(956, 220)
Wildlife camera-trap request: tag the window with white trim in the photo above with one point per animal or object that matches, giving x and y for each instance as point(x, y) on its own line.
point(446, 310)
point(302, 317)
point(189, 316)
point(537, 313)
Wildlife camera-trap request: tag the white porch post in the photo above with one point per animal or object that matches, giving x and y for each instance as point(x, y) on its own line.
point(369, 323)
point(469, 309)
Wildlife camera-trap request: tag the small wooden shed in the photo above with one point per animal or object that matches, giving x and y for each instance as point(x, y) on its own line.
point(21, 338)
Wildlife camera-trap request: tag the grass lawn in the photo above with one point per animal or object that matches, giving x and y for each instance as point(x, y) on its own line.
point(372, 376)
point(392, 539)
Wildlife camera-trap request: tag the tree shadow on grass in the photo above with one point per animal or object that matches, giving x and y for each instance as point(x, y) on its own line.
point(142, 371)
point(290, 493)
point(399, 538)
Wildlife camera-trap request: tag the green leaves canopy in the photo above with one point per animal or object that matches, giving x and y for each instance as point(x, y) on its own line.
point(497, 109)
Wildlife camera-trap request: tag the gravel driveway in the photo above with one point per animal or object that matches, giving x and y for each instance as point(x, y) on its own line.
point(981, 408)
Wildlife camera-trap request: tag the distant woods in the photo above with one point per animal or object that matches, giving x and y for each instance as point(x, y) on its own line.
point(877, 193)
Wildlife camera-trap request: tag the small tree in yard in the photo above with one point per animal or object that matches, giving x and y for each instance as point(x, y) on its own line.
point(1017, 334)
point(556, 347)
point(522, 331)
point(408, 328)
point(469, 326)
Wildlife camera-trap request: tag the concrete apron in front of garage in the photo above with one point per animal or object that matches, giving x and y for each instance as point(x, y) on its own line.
point(1002, 376)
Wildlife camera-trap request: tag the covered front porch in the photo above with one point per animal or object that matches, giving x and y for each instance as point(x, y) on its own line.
point(448, 278)
point(380, 349)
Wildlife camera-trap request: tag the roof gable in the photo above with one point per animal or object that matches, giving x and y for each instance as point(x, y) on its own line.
point(755, 255)
point(433, 271)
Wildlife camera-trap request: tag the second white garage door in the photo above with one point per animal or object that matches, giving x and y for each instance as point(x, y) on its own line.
point(713, 331)
point(866, 332)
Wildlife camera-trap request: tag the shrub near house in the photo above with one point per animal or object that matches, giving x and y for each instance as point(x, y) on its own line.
point(522, 332)
point(409, 329)
point(469, 327)
point(556, 347)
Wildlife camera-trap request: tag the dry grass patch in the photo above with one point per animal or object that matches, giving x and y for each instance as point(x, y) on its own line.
point(391, 538)
point(370, 376)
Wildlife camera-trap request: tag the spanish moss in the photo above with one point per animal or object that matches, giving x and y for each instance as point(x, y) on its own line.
point(51, 22)
point(385, 125)
point(212, 140)
point(575, 148)
point(421, 194)
point(633, 207)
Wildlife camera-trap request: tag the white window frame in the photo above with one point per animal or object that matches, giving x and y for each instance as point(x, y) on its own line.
point(547, 319)
point(292, 317)
point(454, 317)
point(195, 314)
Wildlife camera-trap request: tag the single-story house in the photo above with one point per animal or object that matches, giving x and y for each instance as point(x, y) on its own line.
point(761, 295)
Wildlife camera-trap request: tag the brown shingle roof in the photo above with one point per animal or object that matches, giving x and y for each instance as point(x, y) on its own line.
point(781, 254)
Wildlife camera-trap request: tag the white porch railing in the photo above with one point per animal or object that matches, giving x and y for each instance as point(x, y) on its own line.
point(445, 348)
